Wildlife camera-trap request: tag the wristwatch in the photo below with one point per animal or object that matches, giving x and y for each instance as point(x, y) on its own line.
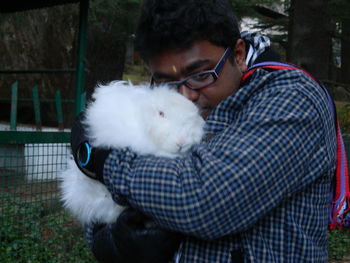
point(90, 160)
point(84, 154)
point(84, 160)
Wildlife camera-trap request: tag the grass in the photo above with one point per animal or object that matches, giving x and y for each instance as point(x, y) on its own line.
point(339, 245)
point(31, 232)
point(343, 112)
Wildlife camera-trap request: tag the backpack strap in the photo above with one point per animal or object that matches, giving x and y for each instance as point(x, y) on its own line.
point(339, 216)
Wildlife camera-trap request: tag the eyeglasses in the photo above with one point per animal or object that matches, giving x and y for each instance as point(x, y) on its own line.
point(201, 79)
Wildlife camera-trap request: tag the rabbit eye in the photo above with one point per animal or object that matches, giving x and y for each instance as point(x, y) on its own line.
point(161, 114)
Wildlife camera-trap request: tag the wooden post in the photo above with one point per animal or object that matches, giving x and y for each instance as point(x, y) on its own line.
point(83, 100)
point(58, 102)
point(36, 104)
point(14, 100)
point(80, 64)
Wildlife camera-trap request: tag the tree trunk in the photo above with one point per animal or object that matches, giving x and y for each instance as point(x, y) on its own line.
point(105, 58)
point(310, 42)
point(345, 51)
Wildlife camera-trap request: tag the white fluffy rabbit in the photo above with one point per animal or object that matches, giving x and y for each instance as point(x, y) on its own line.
point(156, 121)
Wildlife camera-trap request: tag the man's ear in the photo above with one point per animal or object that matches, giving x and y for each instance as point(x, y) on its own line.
point(240, 54)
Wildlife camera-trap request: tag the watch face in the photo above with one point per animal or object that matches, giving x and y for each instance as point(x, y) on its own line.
point(84, 154)
point(84, 157)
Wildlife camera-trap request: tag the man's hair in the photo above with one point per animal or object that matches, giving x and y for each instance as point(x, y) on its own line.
point(176, 24)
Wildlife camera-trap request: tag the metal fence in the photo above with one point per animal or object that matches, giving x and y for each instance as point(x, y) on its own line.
point(28, 180)
point(33, 225)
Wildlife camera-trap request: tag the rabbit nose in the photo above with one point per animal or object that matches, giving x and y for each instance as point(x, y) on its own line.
point(179, 146)
point(182, 146)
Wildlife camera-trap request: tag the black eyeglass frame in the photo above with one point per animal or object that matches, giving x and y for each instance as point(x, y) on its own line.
point(214, 73)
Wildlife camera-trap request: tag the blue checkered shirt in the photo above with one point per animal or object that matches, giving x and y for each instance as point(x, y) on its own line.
point(260, 182)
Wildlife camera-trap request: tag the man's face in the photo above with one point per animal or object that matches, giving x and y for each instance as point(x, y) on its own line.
point(175, 65)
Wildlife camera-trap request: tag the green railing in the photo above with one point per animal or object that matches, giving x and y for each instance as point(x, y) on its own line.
point(35, 101)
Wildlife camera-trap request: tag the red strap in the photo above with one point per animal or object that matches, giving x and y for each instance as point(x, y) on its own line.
point(340, 206)
point(250, 71)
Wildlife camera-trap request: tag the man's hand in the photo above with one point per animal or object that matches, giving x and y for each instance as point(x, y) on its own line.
point(89, 160)
point(130, 240)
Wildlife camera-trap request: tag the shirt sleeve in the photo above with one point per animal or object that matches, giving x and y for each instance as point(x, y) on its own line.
point(224, 185)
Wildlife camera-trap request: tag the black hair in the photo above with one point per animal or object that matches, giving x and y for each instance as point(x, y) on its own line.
point(176, 24)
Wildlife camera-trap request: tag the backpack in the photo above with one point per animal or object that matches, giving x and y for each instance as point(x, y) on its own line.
point(339, 214)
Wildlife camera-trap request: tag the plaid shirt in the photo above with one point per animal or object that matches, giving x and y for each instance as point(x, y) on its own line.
point(260, 183)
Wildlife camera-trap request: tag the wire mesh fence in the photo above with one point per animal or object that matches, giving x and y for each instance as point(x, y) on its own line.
point(33, 225)
point(29, 171)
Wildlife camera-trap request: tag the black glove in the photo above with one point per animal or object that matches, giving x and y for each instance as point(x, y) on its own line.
point(129, 240)
point(89, 160)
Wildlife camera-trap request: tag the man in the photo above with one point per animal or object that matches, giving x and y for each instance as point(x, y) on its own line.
point(257, 188)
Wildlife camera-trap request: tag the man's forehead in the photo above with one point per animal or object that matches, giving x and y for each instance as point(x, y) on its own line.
point(183, 69)
point(174, 61)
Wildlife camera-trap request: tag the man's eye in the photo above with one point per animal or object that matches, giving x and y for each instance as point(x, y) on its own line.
point(201, 77)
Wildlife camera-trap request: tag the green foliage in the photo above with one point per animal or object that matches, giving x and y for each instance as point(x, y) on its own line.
point(137, 73)
point(114, 16)
point(29, 233)
point(343, 112)
point(111, 27)
point(245, 7)
point(340, 9)
point(339, 244)
point(249, 8)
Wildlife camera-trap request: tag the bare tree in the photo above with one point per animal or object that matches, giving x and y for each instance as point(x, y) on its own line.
point(345, 51)
point(310, 40)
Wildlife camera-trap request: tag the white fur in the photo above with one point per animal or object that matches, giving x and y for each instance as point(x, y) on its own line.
point(87, 199)
point(156, 121)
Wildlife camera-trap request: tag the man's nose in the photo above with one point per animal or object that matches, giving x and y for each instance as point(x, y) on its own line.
point(190, 94)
